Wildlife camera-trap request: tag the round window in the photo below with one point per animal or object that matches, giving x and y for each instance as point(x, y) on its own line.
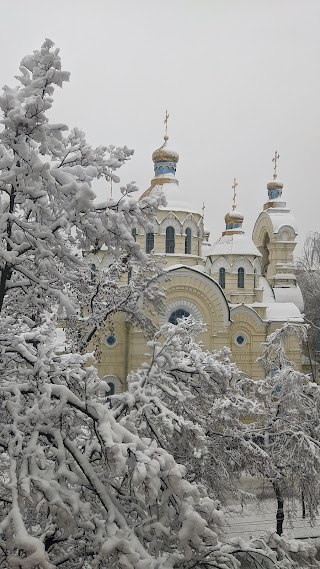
point(240, 340)
point(179, 313)
point(111, 340)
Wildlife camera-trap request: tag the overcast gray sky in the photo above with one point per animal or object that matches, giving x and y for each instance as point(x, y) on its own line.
point(240, 79)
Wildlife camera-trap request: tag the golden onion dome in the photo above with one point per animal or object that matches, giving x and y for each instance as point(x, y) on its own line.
point(234, 217)
point(275, 185)
point(165, 154)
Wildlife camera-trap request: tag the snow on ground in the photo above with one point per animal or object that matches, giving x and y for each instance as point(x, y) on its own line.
point(258, 517)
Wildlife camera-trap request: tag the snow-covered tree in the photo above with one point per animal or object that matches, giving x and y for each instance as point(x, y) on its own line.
point(289, 432)
point(48, 212)
point(125, 286)
point(309, 281)
point(194, 403)
point(81, 484)
point(47, 216)
point(84, 487)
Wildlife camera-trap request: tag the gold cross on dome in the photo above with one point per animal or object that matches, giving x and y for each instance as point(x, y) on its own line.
point(235, 184)
point(166, 122)
point(276, 157)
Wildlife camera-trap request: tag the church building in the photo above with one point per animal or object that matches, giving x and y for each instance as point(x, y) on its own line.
point(243, 288)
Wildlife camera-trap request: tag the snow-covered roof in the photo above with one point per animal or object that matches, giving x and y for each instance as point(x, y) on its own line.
point(205, 247)
point(289, 294)
point(285, 276)
point(281, 216)
point(235, 244)
point(235, 214)
point(275, 311)
point(175, 199)
point(173, 267)
point(268, 295)
point(199, 268)
point(284, 311)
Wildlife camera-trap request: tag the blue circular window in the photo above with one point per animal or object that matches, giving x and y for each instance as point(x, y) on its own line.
point(240, 340)
point(111, 341)
point(179, 313)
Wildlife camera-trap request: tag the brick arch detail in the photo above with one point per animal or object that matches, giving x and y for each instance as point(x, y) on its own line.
point(204, 295)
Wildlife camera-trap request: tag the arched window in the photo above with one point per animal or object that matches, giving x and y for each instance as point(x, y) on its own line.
point(114, 385)
point(255, 278)
point(134, 233)
point(112, 389)
point(241, 277)
point(187, 243)
point(93, 269)
point(222, 277)
point(149, 242)
point(265, 254)
point(170, 240)
point(179, 313)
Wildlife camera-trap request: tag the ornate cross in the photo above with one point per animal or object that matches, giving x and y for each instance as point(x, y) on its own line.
point(235, 184)
point(166, 122)
point(276, 157)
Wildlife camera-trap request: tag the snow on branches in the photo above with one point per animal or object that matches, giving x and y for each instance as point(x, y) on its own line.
point(86, 482)
point(85, 485)
point(193, 403)
point(47, 208)
point(290, 433)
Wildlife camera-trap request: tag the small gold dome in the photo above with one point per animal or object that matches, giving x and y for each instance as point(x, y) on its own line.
point(275, 185)
point(164, 154)
point(234, 217)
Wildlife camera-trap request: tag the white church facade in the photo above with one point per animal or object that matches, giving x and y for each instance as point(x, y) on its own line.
point(241, 287)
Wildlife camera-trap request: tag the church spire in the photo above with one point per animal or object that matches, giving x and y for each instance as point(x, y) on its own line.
point(234, 218)
point(274, 159)
point(165, 159)
point(166, 122)
point(274, 187)
point(234, 187)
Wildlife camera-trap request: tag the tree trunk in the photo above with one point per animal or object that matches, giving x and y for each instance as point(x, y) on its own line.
point(310, 360)
point(303, 506)
point(7, 270)
point(280, 512)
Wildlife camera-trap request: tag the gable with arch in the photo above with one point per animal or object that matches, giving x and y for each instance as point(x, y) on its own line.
point(198, 294)
point(170, 221)
point(244, 263)
point(219, 263)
